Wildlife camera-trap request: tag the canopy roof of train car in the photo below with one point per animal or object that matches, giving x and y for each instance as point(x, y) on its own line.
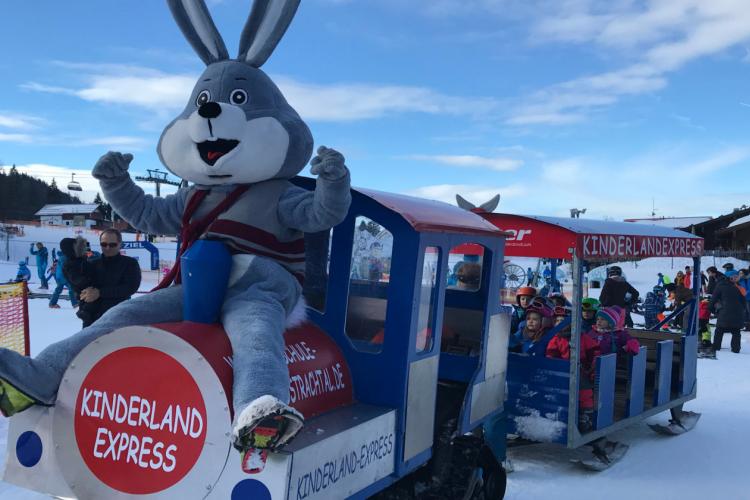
point(560, 238)
point(432, 216)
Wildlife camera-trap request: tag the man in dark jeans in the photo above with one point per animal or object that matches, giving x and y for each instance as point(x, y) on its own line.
point(117, 276)
point(728, 303)
point(618, 292)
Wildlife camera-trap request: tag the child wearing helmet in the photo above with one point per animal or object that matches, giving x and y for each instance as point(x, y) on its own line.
point(609, 332)
point(523, 298)
point(558, 299)
point(23, 273)
point(559, 347)
point(589, 307)
point(531, 336)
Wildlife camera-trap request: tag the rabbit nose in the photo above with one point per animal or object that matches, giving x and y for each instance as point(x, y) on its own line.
point(209, 110)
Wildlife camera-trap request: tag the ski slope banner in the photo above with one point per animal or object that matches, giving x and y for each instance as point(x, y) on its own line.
point(14, 317)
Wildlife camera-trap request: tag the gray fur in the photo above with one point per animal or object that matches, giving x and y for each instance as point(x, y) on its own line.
point(487, 206)
point(491, 205)
point(196, 24)
point(267, 23)
point(463, 203)
point(265, 101)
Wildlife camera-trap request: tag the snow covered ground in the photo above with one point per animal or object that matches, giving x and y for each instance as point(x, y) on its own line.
point(709, 462)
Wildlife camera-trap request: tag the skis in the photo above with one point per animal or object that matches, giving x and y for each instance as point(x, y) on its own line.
point(604, 455)
point(677, 426)
point(707, 354)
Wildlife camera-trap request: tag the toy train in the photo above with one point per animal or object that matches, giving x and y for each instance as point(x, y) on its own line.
point(401, 378)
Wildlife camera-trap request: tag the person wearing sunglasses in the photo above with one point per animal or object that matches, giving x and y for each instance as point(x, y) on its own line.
point(117, 276)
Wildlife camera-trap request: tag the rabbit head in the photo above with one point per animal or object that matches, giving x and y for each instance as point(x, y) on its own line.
point(237, 127)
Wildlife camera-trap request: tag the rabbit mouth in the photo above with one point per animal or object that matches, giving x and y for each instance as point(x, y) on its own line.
point(211, 151)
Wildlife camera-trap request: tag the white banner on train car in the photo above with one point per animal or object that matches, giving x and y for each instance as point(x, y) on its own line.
point(345, 463)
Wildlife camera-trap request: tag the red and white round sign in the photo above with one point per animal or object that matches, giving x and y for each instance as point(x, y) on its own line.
point(135, 430)
point(141, 412)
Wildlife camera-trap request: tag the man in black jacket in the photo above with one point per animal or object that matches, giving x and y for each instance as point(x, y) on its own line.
point(117, 276)
point(714, 276)
point(618, 292)
point(728, 303)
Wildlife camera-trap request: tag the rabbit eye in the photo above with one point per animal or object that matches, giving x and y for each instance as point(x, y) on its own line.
point(203, 98)
point(238, 97)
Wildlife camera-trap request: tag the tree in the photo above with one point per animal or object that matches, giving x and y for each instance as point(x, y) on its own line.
point(53, 186)
point(104, 207)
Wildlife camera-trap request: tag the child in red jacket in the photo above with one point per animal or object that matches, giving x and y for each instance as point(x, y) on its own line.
point(559, 347)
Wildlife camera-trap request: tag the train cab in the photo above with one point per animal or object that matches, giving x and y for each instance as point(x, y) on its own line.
point(400, 362)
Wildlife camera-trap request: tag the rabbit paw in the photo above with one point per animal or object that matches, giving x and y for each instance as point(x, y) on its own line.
point(328, 164)
point(112, 165)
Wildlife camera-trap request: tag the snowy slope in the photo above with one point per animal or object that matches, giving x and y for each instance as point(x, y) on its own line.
point(18, 246)
point(708, 463)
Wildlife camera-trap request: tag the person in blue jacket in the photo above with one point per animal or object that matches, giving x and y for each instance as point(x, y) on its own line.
point(42, 259)
point(60, 277)
point(23, 273)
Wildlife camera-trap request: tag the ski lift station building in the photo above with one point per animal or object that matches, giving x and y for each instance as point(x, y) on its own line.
point(79, 214)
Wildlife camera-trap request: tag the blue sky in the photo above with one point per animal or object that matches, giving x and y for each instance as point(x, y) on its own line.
point(553, 104)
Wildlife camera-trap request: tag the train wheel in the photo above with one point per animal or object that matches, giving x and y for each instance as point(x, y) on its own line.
point(489, 479)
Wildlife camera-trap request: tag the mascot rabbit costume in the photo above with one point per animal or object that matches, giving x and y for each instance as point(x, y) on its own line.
point(239, 142)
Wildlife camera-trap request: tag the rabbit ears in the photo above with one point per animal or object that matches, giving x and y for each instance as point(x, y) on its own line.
point(486, 207)
point(263, 30)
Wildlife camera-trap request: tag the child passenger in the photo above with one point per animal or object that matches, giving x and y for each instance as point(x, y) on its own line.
point(523, 299)
point(531, 332)
point(589, 307)
point(559, 347)
point(610, 334)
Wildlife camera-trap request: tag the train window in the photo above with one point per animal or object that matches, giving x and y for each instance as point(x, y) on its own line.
point(465, 264)
point(427, 299)
point(368, 285)
point(463, 314)
point(317, 261)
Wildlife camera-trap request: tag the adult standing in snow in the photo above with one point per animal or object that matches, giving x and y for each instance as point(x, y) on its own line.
point(117, 276)
point(65, 243)
point(618, 292)
point(728, 303)
point(714, 276)
point(744, 282)
point(42, 258)
point(688, 279)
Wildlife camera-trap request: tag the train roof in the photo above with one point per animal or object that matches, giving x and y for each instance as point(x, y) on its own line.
point(432, 216)
point(560, 237)
point(421, 214)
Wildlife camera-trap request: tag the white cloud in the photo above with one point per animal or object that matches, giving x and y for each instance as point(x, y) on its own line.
point(658, 37)
point(15, 138)
point(17, 121)
point(117, 141)
point(626, 188)
point(360, 101)
point(163, 92)
point(471, 161)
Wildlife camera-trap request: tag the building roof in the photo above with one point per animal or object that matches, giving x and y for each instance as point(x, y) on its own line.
point(740, 221)
point(672, 222)
point(73, 208)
